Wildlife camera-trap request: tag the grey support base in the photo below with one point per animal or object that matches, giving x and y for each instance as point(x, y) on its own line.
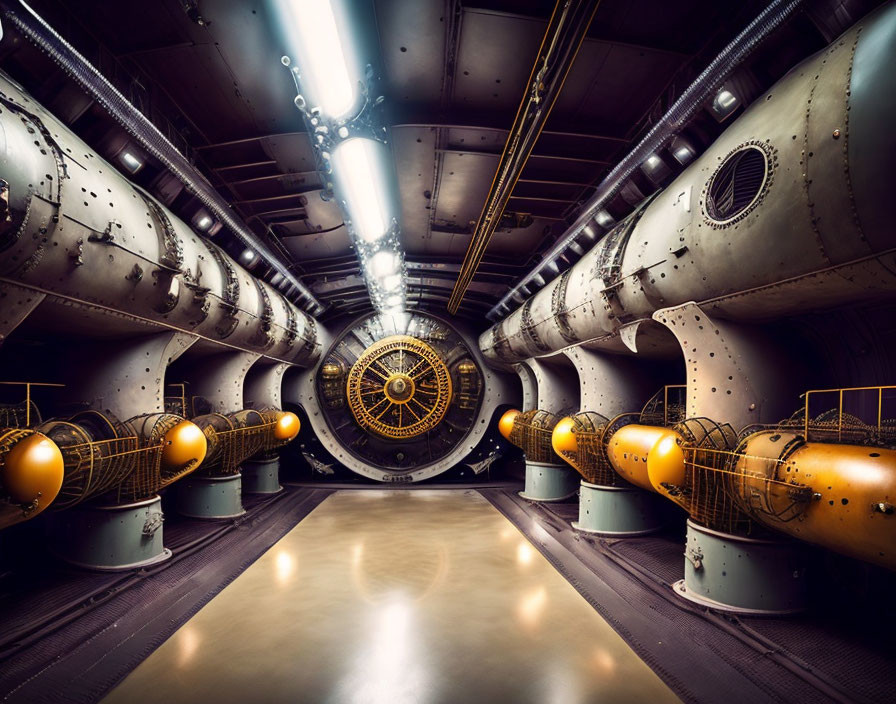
point(619, 511)
point(742, 575)
point(110, 538)
point(261, 476)
point(210, 497)
point(549, 482)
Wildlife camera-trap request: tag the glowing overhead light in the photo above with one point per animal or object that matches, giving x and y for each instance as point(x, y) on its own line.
point(248, 256)
point(725, 100)
point(323, 65)
point(204, 222)
point(392, 283)
point(604, 219)
point(724, 104)
point(132, 163)
point(383, 263)
point(360, 186)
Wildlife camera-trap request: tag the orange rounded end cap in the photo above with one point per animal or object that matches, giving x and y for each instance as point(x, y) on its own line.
point(183, 444)
point(563, 439)
point(665, 462)
point(287, 426)
point(34, 469)
point(505, 425)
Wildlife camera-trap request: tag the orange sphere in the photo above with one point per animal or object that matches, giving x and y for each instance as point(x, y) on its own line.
point(183, 444)
point(33, 469)
point(287, 426)
point(562, 438)
point(505, 425)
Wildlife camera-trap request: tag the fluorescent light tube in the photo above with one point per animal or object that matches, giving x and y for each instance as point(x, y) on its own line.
point(383, 263)
point(360, 185)
point(322, 60)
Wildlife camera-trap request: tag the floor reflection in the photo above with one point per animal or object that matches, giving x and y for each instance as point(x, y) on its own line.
point(397, 596)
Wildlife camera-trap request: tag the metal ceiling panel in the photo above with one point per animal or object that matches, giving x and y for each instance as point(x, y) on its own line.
point(412, 47)
point(413, 149)
point(318, 245)
point(599, 91)
point(494, 60)
point(465, 179)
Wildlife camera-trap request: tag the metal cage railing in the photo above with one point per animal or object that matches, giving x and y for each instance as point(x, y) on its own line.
point(667, 407)
point(532, 432)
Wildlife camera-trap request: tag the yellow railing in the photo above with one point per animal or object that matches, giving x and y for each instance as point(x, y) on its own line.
point(879, 390)
point(28, 385)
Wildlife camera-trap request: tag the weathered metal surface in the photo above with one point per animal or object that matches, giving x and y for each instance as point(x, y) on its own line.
point(816, 234)
point(82, 231)
point(735, 373)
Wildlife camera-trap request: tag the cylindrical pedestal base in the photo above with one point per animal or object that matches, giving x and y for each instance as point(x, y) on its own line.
point(110, 537)
point(261, 476)
point(210, 497)
point(743, 575)
point(619, 511)
point(549, 482)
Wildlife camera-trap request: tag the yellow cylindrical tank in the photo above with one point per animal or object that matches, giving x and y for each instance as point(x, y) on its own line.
point(505, 425)
point(184, 443)
point(287, 426)
point(563, 439)
point(666, 464)
point(628, 450)
point(32, 469)
point(852, 505)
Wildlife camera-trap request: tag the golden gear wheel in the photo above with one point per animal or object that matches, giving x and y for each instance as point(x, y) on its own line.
point(399, 388)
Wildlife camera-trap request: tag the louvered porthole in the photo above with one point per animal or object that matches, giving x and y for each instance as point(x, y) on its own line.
point(737, 185)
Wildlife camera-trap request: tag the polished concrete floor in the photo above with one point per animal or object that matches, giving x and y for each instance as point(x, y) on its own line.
point(397, 596)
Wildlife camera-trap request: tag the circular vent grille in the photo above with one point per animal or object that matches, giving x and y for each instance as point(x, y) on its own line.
point(737, 184)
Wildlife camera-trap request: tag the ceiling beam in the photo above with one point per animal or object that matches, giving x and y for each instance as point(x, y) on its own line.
point(249, 140)
point(421, 117)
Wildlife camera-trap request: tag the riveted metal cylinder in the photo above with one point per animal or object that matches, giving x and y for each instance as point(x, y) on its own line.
point(810, 226)
point(80, 230)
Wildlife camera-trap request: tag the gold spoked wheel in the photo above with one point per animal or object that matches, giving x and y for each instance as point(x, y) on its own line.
point(399, 387)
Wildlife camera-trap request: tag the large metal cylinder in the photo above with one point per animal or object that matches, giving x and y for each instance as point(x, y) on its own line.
point(842, 497)
point(810, 227)
point(628, 449)
point(83, 232)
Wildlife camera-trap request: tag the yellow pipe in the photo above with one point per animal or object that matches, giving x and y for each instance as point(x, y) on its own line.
point(853, 493)
point(629, 448)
